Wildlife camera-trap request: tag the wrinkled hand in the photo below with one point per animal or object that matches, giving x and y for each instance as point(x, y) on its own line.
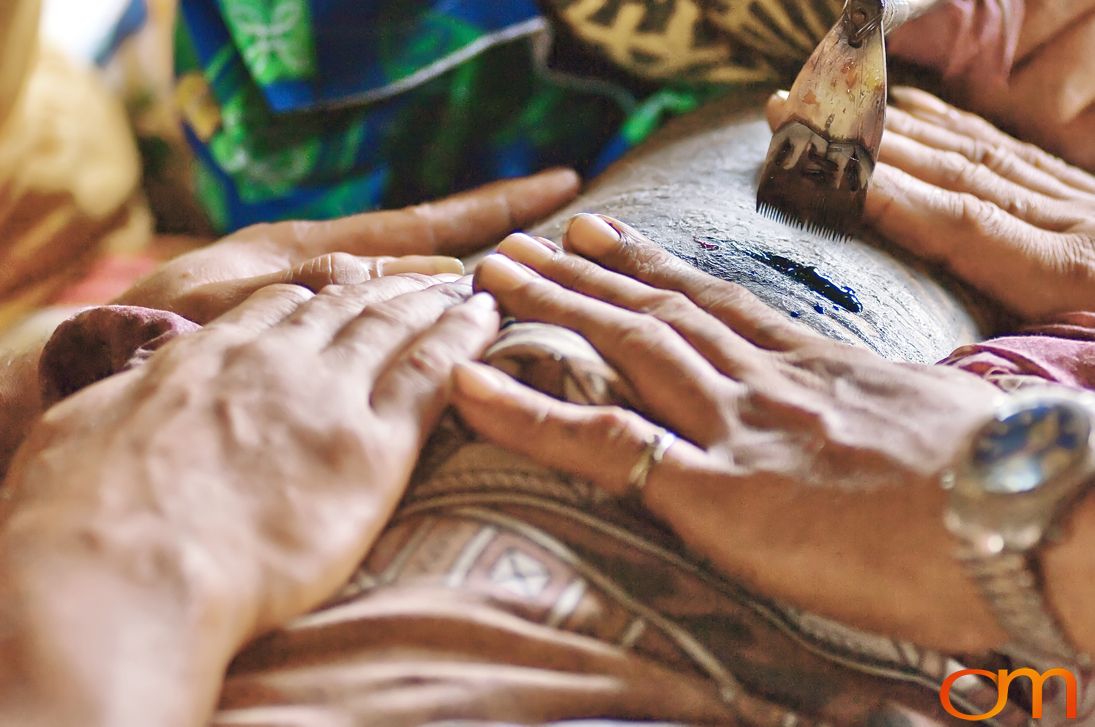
point(1004, 216)
point(806, 468)
point(207, 282)
point(231, 482)
point(203, 284)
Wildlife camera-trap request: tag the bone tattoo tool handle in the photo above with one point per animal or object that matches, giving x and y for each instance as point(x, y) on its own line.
point(896, 13)
point(823, 153)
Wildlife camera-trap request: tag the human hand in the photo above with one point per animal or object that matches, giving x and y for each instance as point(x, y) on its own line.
point(1004, 216)
point(232, 481)
point(202, 284)
point(806, 468)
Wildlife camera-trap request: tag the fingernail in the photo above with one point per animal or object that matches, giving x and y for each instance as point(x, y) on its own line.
point(499, 273)
point(444, 264)
point(783, 94)
point(476, 381)
point(526, 249)
point(482, 300)
point(590, 234)
point(426, 264)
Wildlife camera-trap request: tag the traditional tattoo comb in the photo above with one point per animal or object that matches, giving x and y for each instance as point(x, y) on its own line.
point(821, 158)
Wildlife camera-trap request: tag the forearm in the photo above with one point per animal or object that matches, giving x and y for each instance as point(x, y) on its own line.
point(107, 631)
point(880, 561)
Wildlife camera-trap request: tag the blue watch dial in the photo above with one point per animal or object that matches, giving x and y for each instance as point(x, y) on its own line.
point(1024, 450)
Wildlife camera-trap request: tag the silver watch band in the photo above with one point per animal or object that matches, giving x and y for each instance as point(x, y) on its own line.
point(1009, 585)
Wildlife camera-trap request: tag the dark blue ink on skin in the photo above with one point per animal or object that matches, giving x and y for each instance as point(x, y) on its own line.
point(819, 309)
point(844, 297)
point(796, 313)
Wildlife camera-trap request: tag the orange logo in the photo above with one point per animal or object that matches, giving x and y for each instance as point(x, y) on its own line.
point(1003, 680)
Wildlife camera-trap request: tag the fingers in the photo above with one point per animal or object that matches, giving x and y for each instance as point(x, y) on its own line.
point(928, 120)
point(619, 247)
point(980, 242)
point(727, 351)
point(315, 324)
point(456, 225)
point(600, 444)
point(676, 384)
point(372, 339)
point(264, 308)
point(414, 389)
point(340, 268)
point(977, 130)
point(206, 302)
point(953, 171)
point(1000, 158)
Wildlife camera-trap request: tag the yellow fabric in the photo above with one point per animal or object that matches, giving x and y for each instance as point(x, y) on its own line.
point(69, 169)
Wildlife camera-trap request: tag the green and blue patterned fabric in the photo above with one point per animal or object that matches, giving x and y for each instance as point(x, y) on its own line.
point(318, 108)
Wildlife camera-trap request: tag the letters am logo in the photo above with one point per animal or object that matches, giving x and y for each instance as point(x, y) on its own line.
point(1003, 679)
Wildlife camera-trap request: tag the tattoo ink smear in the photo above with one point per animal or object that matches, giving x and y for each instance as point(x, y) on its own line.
point(844, 297)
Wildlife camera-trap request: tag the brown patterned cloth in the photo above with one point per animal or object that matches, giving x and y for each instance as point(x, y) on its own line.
point(504, 591)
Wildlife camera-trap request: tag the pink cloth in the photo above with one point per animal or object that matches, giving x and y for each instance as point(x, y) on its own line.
point(1061, 350)
point(100, 342)
point(963, 37)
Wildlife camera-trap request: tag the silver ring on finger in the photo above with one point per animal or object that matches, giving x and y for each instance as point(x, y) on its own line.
point(656, 446)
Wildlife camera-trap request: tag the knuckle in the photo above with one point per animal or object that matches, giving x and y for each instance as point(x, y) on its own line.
point(334, 268)
point(347, 298)
point(646, 260)
point(463, 316)
point(429, 362)
point(642, 333)
point(612, 426)
point(980, 216)
point(249, 355)
point(420, 280)
point(667, 304)
point(385, 315)
point(957, 169)
point(575, 272)
point(288, 293)
point(978, 151)
point(1000, 160)
point(338, 290)
point(1033, 152)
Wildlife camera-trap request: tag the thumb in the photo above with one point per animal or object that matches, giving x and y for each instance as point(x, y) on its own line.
point(456, 225)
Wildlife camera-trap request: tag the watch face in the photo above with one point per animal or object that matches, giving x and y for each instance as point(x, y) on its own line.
point(1024, 450)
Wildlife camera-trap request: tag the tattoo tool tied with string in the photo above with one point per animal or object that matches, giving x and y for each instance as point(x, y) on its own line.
point(822, 155)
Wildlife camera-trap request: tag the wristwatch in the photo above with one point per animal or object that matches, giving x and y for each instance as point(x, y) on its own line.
point(1011, 491)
